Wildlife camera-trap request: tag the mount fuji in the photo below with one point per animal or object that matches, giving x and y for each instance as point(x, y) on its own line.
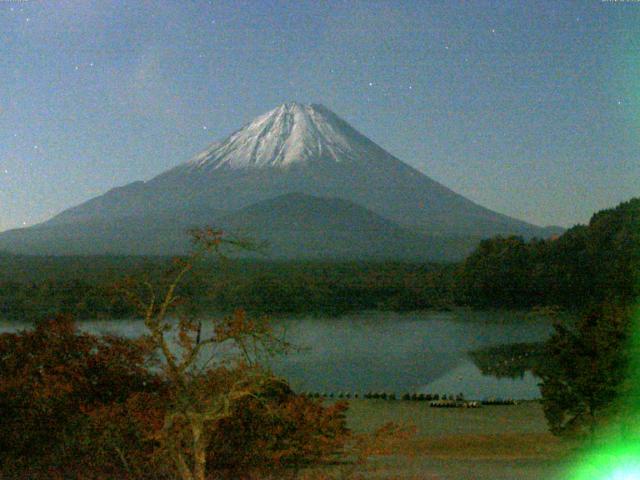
point(297, 162)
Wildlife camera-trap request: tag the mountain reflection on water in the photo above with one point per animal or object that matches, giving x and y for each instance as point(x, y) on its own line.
point(392, 352)
point(412, 352)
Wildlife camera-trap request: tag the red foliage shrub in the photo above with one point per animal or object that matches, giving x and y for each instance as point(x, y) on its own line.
point(52, 378)
point(75, 405)
point(277, 429)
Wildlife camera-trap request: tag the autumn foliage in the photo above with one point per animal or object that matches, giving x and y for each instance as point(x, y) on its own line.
point(53, 379)
point(188, 400)
point(75, 405)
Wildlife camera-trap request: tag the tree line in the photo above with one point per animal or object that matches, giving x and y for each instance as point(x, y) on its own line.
point(587, 264)
point(260, 287)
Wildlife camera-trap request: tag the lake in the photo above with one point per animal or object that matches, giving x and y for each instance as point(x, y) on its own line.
point(392, 352)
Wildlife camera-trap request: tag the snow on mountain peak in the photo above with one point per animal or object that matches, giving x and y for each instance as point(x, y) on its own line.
point(289, 134)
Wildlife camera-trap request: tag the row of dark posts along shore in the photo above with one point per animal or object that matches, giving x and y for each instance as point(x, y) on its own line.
point(435, 400)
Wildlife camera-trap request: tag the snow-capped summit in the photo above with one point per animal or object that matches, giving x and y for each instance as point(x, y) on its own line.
point(292, 133)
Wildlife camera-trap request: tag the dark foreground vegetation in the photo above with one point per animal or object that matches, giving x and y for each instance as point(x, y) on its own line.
point(591, 278)
point(80, 406)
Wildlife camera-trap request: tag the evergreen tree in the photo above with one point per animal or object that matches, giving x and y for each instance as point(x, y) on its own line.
point(585, 367)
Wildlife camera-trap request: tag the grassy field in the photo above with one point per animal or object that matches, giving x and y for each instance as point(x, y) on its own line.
point(489, 443)
point(526, 417)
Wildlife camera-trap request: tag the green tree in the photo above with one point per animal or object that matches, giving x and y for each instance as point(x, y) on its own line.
point(584, 369)
point(496, 274)
point(588, 264)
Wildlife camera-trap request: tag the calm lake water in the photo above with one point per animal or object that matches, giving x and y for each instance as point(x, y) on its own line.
point(392, 352)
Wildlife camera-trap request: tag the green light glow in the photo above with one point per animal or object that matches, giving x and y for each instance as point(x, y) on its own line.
point(617, 454)
point(612, 462)
point(626, 474)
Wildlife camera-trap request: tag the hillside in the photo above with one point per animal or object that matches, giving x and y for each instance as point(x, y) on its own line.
point(588, 263)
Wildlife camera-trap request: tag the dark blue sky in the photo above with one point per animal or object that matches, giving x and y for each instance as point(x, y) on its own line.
point(531, 108)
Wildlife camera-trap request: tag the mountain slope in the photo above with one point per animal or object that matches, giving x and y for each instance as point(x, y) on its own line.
point(303, 226)
point(150, 234)
point(293, 226)
point(293, 148)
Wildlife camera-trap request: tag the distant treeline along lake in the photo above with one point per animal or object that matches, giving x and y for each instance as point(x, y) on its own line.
point(587, 264)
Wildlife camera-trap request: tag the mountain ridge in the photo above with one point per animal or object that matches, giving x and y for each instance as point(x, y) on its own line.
point(299, 148)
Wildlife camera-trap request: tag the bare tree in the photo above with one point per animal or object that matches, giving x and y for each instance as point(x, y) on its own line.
point(201, 390)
